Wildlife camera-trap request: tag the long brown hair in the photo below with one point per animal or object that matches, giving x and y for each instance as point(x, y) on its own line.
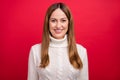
point(72, 49)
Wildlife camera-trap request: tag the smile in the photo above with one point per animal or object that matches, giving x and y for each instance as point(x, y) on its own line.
point(58, 30)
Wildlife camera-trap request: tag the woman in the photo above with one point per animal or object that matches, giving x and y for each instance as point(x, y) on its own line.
point(58, 57)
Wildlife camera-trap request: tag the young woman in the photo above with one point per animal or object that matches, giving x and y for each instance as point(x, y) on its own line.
point(58, 57)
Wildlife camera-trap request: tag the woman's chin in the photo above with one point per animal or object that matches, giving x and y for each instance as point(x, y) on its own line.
point(58, 36)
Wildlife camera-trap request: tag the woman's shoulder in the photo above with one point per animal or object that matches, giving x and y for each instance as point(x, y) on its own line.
point(38, 45)
point(82, 51)
point(36, 49)
point(35, 52)
point(81, 47)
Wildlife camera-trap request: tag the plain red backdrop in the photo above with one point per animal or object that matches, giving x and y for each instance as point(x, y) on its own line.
point(97, 27)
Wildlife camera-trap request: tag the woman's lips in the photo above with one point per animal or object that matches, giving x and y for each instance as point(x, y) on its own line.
point(58, 31)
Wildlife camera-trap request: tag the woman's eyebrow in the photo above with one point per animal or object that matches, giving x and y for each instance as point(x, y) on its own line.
point(60, 18)
point(64, 18)
point(52, 18)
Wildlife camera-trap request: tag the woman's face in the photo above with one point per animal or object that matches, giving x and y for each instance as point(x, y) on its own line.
point(58, 24)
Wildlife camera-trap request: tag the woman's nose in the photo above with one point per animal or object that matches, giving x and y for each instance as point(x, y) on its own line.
point(58, 24)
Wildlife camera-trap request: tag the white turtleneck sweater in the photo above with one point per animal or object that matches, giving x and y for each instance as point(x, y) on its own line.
point(59, 67)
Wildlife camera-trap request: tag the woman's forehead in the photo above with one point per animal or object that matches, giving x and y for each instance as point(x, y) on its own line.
point(58, 13)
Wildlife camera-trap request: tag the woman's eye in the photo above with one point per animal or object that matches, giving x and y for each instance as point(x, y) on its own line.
point(53, 20)
point(63, 20)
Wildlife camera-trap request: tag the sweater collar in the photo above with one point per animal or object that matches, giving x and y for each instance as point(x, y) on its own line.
point(58, 42)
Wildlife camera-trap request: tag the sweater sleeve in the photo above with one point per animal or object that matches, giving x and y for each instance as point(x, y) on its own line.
point(32, 72)
point(84, 71)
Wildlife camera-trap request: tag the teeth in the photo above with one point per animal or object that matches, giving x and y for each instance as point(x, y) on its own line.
point(58, 30)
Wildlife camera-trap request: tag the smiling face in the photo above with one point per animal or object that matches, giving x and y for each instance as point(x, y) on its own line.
point(58, 24)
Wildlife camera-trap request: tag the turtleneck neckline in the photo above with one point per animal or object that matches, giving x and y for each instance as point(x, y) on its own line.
point(58, 42)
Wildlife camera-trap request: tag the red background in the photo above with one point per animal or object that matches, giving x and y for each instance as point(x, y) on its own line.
point(97, 27)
